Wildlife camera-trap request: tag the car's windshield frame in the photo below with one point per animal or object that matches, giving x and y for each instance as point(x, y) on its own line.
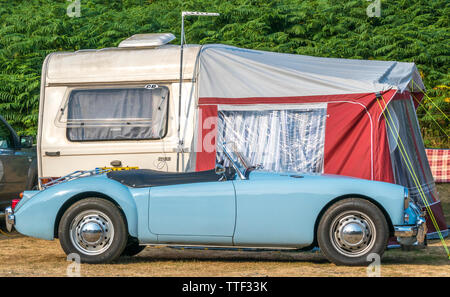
point(245, 167)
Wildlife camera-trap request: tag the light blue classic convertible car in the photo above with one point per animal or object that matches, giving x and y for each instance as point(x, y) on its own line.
point(102, 216)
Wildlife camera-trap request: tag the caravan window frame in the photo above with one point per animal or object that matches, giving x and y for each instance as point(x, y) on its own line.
point(64, 105)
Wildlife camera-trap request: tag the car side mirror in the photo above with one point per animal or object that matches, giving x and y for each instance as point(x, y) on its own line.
point(26, 141)
point(220, 169)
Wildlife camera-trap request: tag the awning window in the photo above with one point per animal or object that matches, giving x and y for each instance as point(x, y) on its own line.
point(278, 138)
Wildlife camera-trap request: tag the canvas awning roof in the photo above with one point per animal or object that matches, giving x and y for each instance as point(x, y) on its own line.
point(231, 72)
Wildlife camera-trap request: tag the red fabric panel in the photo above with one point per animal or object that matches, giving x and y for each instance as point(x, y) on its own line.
point(402, 96)
point(356, 142)
point(206, 139)
point(382, 156)
point(348, 140)
point(281, 100)
point(417, 98)
point(382, 166)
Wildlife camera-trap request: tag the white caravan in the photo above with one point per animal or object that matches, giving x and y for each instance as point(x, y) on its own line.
point(116, 107)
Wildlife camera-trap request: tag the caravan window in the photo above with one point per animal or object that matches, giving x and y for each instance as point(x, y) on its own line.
point(117, 114)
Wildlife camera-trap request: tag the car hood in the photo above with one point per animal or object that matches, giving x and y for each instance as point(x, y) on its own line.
point(330, 179)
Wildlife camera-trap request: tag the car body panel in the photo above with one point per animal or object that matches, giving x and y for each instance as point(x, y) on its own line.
point(44, 206)
point(140, 197)
point(18, 170)
point(196, 240)
point(13, 175)
point(268, 209)
point(192, 210)
point(286, 206)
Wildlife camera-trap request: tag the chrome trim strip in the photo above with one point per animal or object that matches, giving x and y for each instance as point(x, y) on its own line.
point(228, 155)
point(74, 175)
point(405, 231)
point(215, 246)
point(407, 199)
point(417, 231)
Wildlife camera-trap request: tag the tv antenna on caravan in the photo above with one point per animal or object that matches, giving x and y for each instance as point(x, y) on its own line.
point(183, 14)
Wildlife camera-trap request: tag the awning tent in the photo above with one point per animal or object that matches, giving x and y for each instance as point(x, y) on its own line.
point(309, 114)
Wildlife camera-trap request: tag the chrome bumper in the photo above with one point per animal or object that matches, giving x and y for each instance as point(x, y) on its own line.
point(410, 235)
point(10, 219)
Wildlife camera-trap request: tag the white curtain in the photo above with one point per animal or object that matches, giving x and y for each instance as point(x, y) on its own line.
point(113, 114)
point(281, 140)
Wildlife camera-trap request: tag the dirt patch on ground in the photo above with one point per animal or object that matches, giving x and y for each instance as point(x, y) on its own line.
point(22, 256)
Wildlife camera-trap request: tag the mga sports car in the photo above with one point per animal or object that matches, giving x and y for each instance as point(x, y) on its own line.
point(101, 216)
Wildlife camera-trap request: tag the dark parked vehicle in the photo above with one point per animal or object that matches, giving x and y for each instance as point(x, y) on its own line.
point(18, 166)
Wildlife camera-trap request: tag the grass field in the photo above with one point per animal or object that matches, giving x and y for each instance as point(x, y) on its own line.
point(22, 256)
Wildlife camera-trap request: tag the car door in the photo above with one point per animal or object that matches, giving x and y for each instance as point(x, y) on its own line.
point(278, 209)
point(202, 212)
point(13, 166)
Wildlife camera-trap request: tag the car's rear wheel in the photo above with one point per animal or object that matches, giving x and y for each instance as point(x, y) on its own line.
point(352, 229)
point(95, 229)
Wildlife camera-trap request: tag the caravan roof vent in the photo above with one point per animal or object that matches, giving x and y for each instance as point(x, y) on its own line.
point(147, 40)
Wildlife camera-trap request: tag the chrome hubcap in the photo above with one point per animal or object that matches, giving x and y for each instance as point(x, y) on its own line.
point(91, 232)
point(352, 233)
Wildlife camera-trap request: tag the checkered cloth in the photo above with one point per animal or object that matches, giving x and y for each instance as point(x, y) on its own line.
point(439, 160)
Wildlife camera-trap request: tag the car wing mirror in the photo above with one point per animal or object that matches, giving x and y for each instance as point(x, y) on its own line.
point(26, 141)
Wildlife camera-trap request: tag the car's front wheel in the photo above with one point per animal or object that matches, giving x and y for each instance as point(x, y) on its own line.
point(95, 229)
point(352, 229)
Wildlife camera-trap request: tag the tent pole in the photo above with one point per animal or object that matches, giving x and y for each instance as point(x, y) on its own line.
point(180, 145)
point(180, 141)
